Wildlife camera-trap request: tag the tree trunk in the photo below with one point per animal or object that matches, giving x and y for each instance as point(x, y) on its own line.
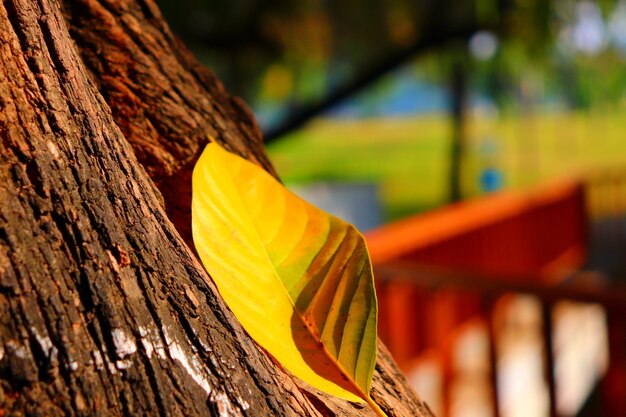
point(104, 309)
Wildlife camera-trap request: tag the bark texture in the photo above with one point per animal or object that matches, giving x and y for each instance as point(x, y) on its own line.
point(104, 309)
point(165, 103)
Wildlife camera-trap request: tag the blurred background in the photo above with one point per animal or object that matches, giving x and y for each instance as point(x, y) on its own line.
point(480, 144)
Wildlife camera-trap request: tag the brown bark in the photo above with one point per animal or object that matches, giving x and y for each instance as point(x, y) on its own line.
point(164, 102)
point(104, 309)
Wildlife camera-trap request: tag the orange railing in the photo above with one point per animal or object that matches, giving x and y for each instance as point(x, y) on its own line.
point(508, 233)
point(440, 273)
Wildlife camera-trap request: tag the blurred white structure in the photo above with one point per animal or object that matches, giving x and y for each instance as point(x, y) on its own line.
point(356, 203)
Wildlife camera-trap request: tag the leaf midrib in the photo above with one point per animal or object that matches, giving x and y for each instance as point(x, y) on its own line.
point(285, 292)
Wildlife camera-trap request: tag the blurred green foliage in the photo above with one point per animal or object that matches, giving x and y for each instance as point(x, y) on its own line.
point(283, 54)
point(546, 81)
point(287, 53)
point(410, 162)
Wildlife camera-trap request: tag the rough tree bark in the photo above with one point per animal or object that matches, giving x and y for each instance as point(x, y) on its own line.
point(104, 308)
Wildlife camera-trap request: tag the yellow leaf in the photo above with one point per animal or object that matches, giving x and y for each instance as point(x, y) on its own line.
point(298, 279)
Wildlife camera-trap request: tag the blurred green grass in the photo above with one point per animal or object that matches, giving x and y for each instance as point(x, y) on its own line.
point(409, 157)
